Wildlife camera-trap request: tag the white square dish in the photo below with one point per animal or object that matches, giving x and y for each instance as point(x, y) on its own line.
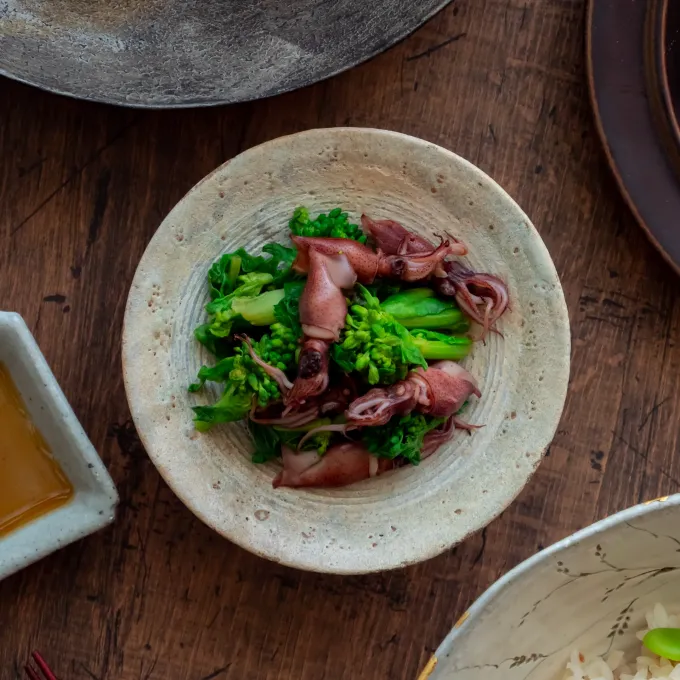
point(94, 501)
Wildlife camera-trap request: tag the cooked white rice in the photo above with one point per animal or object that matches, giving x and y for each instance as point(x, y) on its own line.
point(615, 667)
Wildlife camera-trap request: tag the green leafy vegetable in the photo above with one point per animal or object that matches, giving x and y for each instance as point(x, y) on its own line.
point(437, 346)
point(217, 373)
point(244, 380)
point(259, 311)
point(281, 304)
point(287, 311)
point(266, 440)
point(334, 225)
point(223, 274)
point(233, 405)
point(421, 308)
point(374, 344)
point(400, 436)
point(217, 346)
point(282, 258)
point(384, 288)
point(221, 309)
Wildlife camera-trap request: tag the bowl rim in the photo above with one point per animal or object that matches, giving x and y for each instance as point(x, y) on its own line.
point(291, 560)
point(470, 615)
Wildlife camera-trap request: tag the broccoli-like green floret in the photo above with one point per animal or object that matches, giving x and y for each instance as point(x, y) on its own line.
point(334, 225)
point(400, 436)
point(278, 347)
point(374, 344)
point(244, 379)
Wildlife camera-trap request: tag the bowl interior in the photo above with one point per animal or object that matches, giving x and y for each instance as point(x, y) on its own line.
point(588, 593)
point(387, 521)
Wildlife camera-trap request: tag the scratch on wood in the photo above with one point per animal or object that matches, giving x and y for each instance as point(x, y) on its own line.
point(524, 16)
point(645, 457)
point(435, 48)
point(652, 411)
point(593, 317)
point(76, 173)
point(558, 75)
point(101, 198)
point(478, 556)
point(23, 171)
point(89, 672)
point(150, 671)
point(382, 646)
point(214, 618)
point(216, 672)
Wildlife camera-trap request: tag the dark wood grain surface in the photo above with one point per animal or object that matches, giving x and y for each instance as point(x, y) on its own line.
point(158, 595)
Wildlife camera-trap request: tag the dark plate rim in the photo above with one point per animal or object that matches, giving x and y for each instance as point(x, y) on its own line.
point(273, 92)
point(659, 89)
point(662, 56)
point(600, 126)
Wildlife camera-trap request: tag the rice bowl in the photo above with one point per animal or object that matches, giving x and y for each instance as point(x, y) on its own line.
point(576, 608)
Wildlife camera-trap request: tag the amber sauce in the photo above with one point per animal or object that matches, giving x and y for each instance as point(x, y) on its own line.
point(31, 481)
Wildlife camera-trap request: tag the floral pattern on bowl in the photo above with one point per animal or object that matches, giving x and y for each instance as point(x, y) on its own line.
point(589, 592)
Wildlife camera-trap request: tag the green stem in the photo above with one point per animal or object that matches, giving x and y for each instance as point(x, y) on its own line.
point(452, 319)
point(258, 310)
point(456, 348)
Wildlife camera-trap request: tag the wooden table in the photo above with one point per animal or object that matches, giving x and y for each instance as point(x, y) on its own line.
point(159, 595)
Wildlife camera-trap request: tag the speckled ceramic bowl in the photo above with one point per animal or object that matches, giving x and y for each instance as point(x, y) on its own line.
point(588, 592)
point(397, 518)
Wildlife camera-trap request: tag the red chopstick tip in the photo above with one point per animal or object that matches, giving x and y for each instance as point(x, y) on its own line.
point(42, 665)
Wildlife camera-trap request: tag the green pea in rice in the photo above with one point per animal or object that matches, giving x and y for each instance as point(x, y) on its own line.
point(615, 667)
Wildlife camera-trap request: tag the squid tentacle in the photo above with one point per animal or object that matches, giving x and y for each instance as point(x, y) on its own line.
point(483, 297)
point(294, 419)
point(420, 260)
point(272, 371)
point(440, 391)
point(394, 239)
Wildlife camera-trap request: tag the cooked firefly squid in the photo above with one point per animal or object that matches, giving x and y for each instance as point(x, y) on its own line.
point(374, 390)
point(323, 309)
point(439, 391)
point(333, 265)
point(370, 264)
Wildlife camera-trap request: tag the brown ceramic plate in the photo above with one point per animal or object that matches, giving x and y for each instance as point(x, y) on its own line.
point(668, 50)
point(635, 92)
point(176, 53)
